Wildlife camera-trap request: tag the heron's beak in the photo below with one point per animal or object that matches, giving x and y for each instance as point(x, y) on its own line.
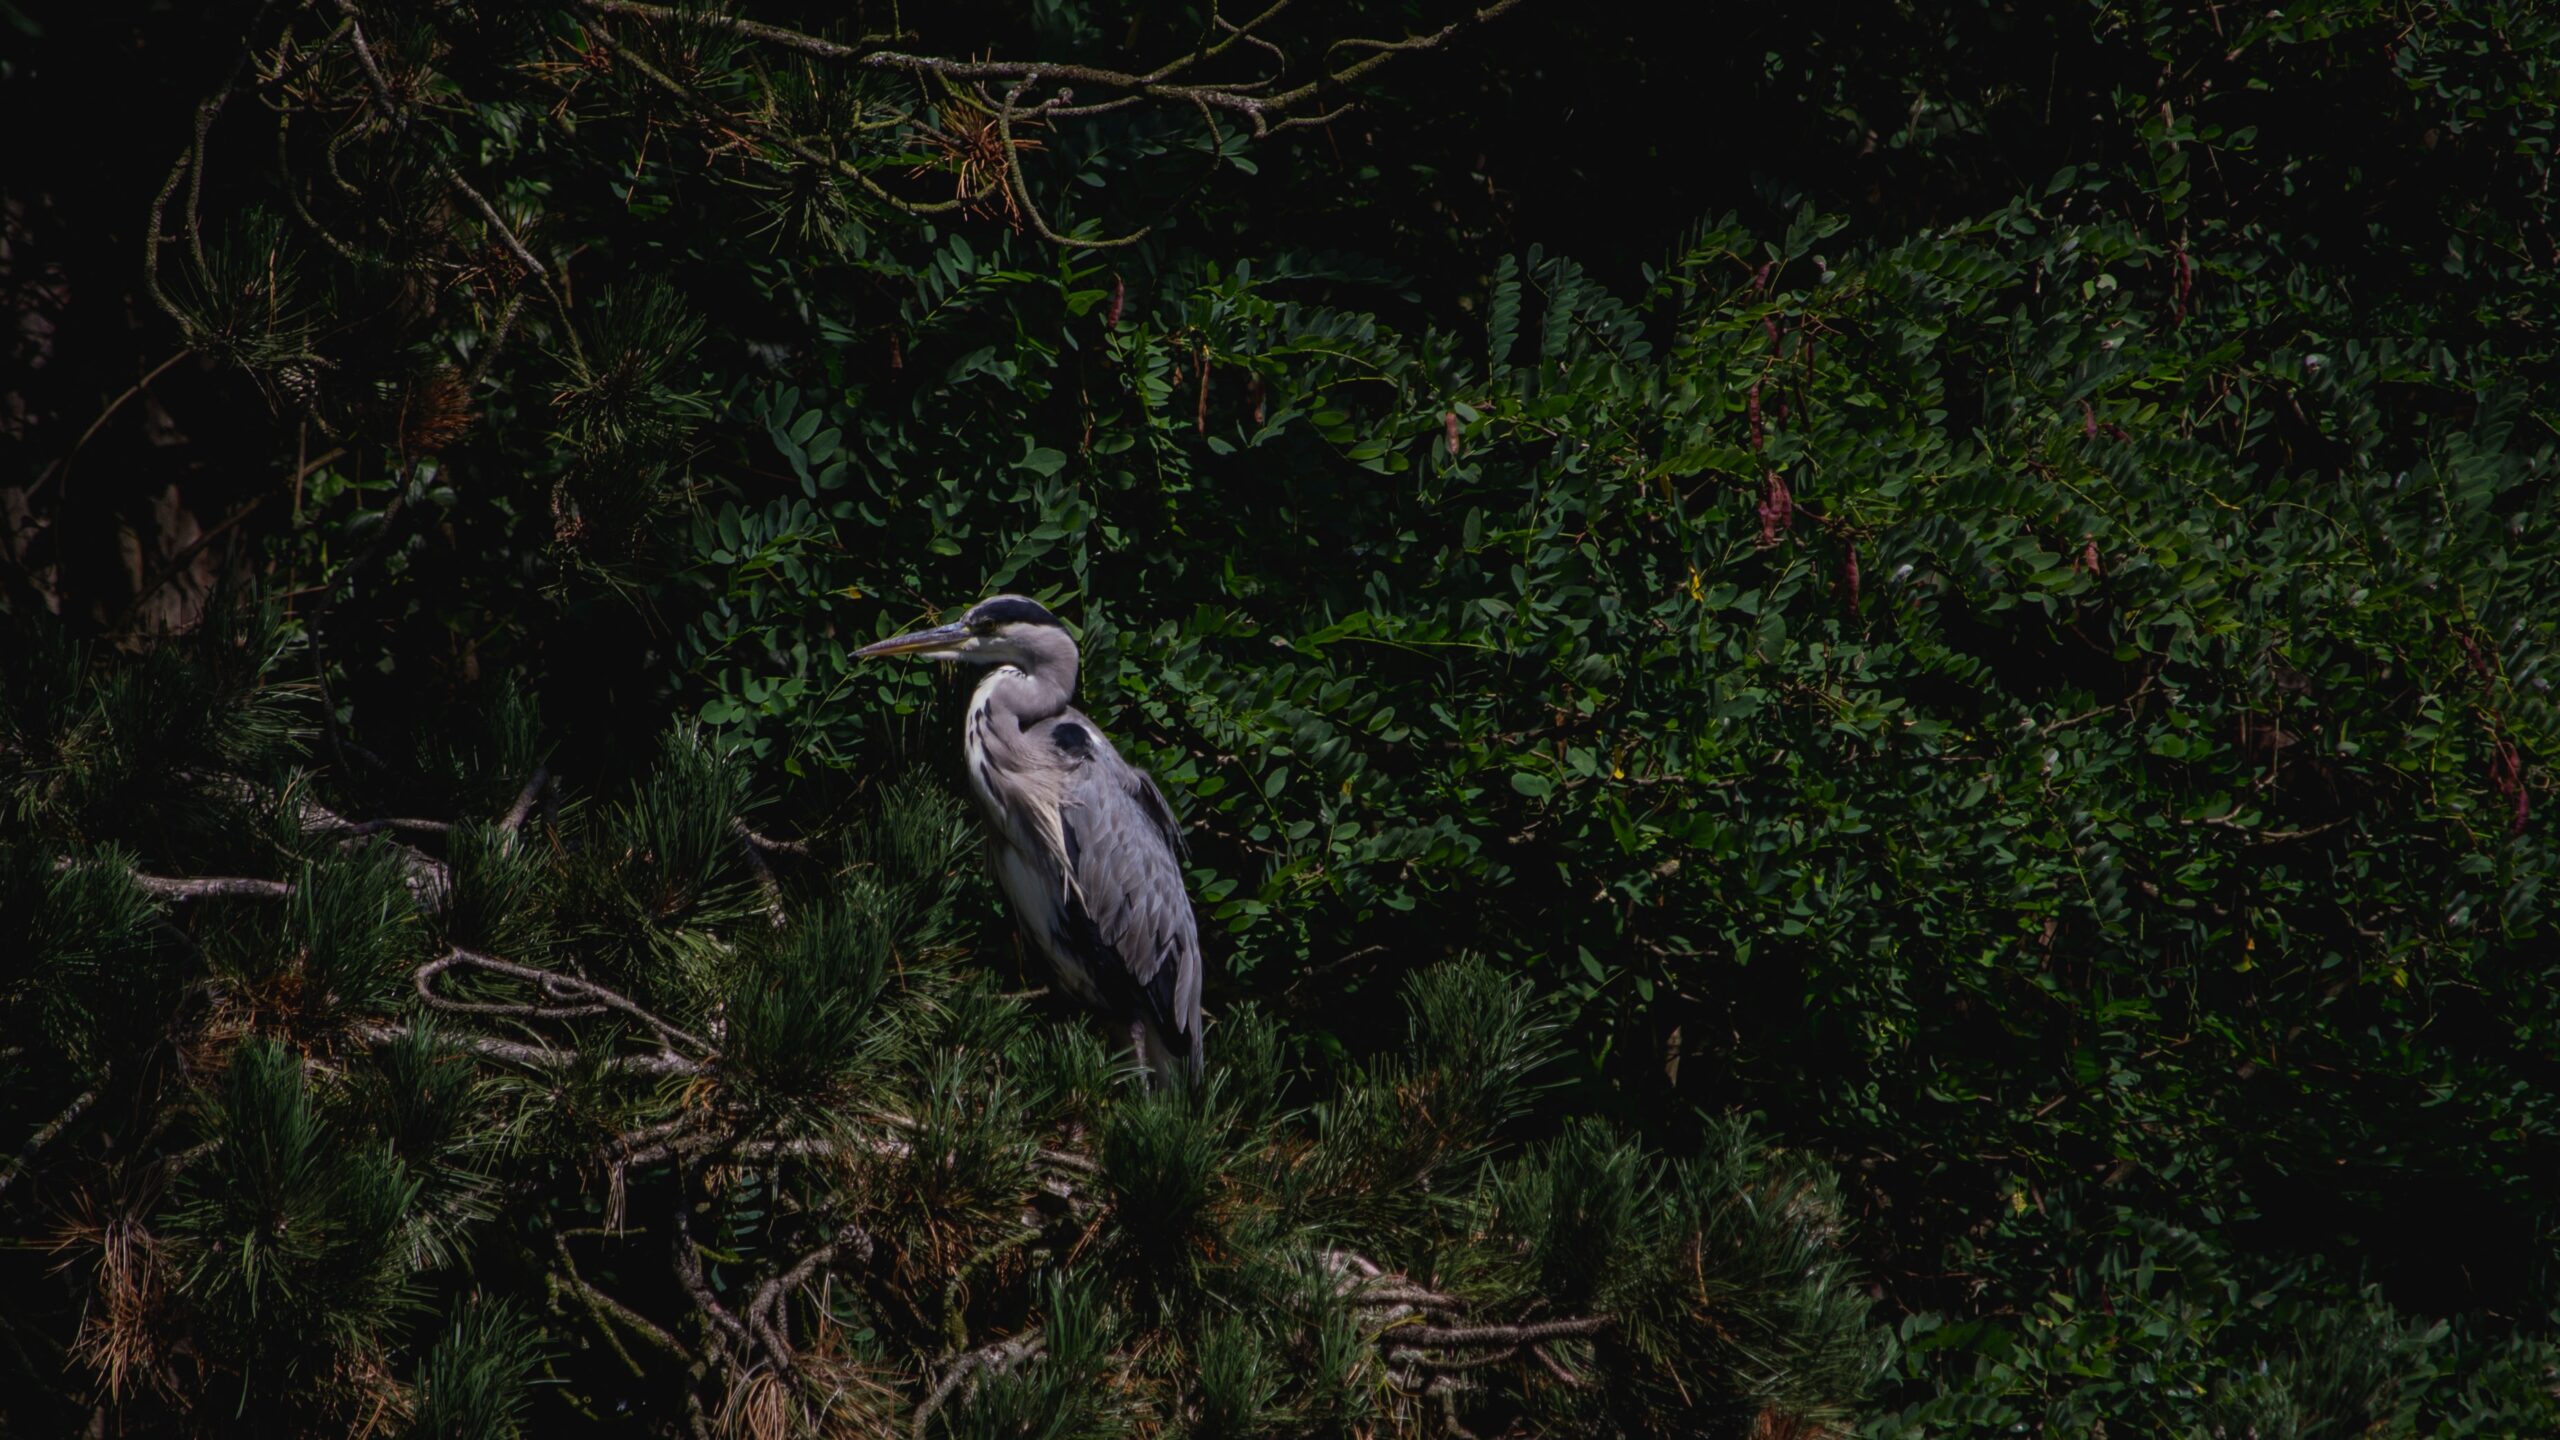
point(939, 639)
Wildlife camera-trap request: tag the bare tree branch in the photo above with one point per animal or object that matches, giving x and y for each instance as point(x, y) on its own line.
point(46, 1135)
point(554, 983)
point(992, 1359)
point(538, 1057)
point(214, 887)
point(532, 791)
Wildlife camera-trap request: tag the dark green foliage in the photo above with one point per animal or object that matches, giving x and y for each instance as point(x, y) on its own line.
point(1059, 1394)
point(1161, 1158)
point(287, 1231)
point(623, 408)
point(443, 1120)
point(349, 938)
point(838, 1171)
point(475, 1383)
point(90, 977)
point(122, 751)
point(1238, 1380)
point(1573, 1211)
point(673, 848)
point(236, 295)
point(802, 1027)
point(496, 897)
point(1972, 583)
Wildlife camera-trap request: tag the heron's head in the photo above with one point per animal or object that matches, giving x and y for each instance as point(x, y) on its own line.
point(1000, 630)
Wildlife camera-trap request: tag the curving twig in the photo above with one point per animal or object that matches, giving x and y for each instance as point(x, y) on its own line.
point(764, 1312)
point(993, 1359)
point(596, 998)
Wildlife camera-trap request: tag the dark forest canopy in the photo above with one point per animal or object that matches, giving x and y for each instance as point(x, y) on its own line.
point(1860, 693)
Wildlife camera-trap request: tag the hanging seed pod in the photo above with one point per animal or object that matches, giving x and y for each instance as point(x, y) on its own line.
point(1777, 511)
point(1119, 297)
point(2472, 652)
point(2506, 777)
point(1751, 410)
point(1449, 423)
point(1849, 576)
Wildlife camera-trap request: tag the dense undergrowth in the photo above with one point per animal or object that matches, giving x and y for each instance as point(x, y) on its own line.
point(2015, 653)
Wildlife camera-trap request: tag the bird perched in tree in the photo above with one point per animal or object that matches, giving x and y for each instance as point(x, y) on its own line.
point(1085, 846)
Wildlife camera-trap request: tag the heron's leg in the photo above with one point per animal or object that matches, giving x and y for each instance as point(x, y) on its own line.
point(1138, 1046)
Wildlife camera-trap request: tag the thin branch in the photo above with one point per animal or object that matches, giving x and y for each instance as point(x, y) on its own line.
point(552, 982)
point(46, 1135)
point(136, 388)
point(1469, 1336)
point(688, 1270)
point(425, 977)
point(358, 829)
point(764, 1313)
point(1412, 1297)
point(767, 842)
point(539, 1057)
point(1022, 188)
point(214, 887)
point(1558, 1369)
point(997, 1359)
point(190, 166)
point(765, 879)
point(707, 111)
point(523, 807)
point(178, 561)
point(1243, 97)
point(606, 1307)
point(398, 116)
point(751, 29)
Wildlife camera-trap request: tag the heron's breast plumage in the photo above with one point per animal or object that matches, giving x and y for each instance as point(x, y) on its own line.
point(1022, 805)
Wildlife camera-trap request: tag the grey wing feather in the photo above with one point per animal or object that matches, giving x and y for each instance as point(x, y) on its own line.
point(1125, 852)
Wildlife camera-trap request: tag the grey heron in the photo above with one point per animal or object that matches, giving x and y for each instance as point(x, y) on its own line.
point(1085, 846)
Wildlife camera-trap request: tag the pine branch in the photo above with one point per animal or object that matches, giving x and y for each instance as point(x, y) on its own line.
point(764, 1313)
point(398, 117)
point(537, 1057)
point(994, 1359)
point(430, 881)
point(598, 998)
point(50, 1131)
point(688, 1272)
point(1265, 110)
point(214, 887)
point(525, 798)
point(756, 845)
point(1508, 1337)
